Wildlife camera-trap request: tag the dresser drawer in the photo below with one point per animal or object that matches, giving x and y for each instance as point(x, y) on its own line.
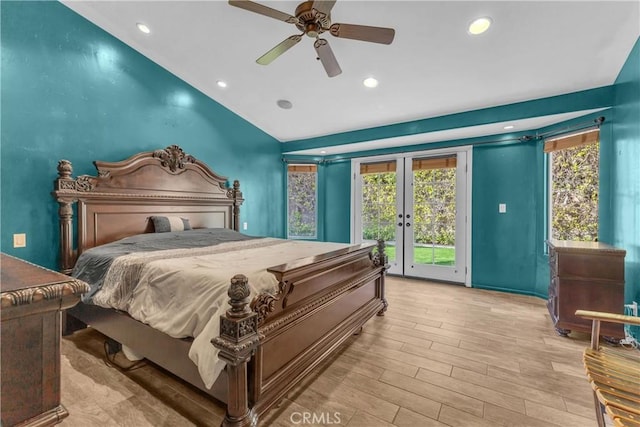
point(601, 266)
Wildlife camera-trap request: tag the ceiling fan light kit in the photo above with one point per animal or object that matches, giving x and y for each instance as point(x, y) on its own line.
point(314, 18)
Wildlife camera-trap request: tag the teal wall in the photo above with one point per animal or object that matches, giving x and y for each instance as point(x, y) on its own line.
point(70, 90)
point(337, 201)
point(625, 171)
point(505, 246)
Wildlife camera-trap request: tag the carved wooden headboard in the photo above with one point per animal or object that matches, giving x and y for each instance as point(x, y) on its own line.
point(118, 201)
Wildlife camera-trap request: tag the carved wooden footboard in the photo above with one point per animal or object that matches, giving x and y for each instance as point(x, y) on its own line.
point(321, 302)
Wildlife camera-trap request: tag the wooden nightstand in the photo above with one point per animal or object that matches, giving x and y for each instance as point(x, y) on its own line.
point(32, 299)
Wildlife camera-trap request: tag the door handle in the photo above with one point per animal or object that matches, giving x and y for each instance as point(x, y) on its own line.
point(408, 224)
point(399, 224)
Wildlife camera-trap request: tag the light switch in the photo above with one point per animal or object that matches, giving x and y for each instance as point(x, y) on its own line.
point(244, 225)
point(502, 208)
point(19, 240)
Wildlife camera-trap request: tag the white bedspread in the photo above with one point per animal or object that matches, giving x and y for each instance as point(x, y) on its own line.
point(183, 292)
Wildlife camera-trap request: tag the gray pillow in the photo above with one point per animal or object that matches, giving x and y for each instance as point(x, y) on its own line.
point(165, 224)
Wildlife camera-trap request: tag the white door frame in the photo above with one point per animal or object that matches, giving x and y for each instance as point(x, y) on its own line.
point(356, 208)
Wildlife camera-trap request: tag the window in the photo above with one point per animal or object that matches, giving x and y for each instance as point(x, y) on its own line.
point(302, 199)
point(573, 186)
point(434, 209)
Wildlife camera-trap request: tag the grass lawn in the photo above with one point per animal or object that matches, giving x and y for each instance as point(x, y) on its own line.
point(424, 255)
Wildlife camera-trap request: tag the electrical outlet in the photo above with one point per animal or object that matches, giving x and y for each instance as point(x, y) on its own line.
point(244, 225)
point(502, 208)
point(19, 240)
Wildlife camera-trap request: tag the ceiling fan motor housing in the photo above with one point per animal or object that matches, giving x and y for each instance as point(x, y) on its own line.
point(310, 21)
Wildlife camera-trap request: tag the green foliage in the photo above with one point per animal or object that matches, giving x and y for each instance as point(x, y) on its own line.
point(434, 206)
point(574, 193)
point(379, 206)
point(301, 188)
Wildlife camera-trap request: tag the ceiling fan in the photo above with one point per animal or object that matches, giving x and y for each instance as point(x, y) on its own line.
point(314, 18)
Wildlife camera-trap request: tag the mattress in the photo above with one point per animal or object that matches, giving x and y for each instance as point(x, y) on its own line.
point(182, 290)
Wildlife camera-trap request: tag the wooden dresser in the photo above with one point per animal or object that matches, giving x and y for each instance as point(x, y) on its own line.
point(585, 276)
point(32, 299)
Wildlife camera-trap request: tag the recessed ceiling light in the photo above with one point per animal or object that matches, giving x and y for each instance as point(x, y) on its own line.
point(143, 28)
point(284, 104)
point(508, 127)
point(370, 82)
point(221, 83)
point(479, 25)
point(323, 152)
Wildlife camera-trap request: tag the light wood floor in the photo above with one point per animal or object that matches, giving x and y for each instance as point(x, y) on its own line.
point(443, 355)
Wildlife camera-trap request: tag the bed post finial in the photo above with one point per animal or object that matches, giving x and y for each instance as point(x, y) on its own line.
point(64, 169)
point(65, 214)
point(237, 342)
point(237, 201)
point(239, 292)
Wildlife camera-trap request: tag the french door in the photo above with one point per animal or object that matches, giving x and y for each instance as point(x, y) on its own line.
point(418, 204)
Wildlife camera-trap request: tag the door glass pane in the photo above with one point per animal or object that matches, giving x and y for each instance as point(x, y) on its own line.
point(379, 204)
point(434, 209)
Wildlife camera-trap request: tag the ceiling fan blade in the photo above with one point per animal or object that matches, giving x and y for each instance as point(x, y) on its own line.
point(279, 49)
point(324, 6)
point(326, 56)
point(363, 32)
point(264, 10)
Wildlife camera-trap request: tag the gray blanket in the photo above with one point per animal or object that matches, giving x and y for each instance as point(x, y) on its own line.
point(93, 264)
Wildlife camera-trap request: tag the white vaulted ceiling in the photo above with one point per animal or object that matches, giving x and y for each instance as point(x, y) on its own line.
point(434, 67)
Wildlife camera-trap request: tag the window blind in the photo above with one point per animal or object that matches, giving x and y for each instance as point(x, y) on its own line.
point(434, 163)
point(571, 141)
point(379, 167)
point(302, 168)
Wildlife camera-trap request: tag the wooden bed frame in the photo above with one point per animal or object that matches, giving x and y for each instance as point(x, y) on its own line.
point(269, 343)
